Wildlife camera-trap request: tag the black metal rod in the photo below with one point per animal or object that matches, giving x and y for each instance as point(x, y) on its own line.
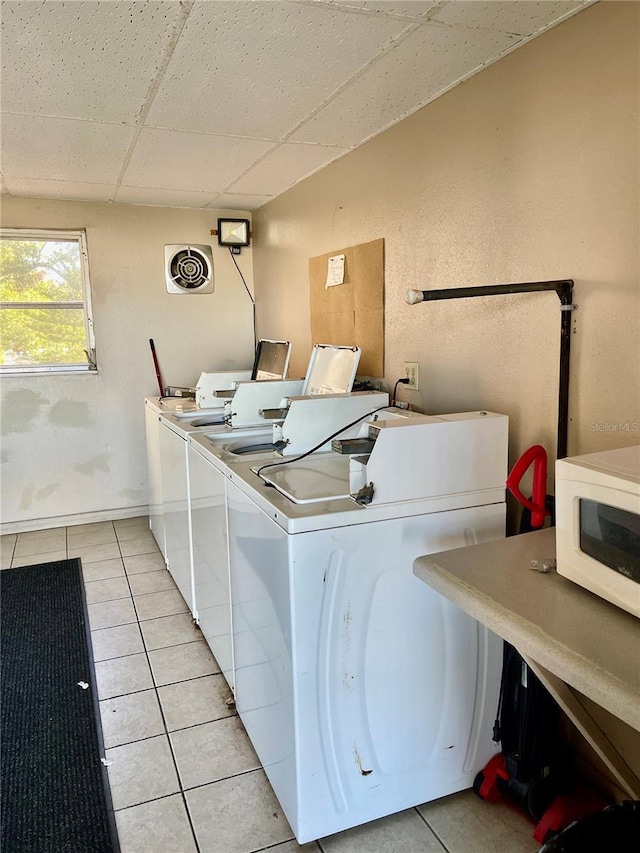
point(564, 290)
point(566, 299)
point(495, 290)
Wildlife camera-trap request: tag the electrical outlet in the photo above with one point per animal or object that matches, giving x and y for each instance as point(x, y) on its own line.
point(411, 372)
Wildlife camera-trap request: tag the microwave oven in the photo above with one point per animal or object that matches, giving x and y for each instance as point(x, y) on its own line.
point(598, 524)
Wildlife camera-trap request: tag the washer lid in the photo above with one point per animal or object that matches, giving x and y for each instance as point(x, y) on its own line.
point(331, 369)
point(311, 480)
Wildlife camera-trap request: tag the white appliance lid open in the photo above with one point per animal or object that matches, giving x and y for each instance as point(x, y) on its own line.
point(331, 370)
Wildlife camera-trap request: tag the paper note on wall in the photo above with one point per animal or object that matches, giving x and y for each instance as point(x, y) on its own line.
point(335, 271)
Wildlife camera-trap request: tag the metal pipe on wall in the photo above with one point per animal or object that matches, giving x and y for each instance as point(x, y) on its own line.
point(564, 290)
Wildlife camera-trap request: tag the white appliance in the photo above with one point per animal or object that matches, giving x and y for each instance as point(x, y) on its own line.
point(168, 421)
point(153, 408)
point(186, 414)
point(243, 405)
point(309, 420)
point(181, 411)
point(271, 362)
point(598, 524)
point(210, 385)
point(210, 455)
point(173, 432)
point(208, 472)
point(363, 691)
point(152, 435)
point(331, 370)
point(328, 363)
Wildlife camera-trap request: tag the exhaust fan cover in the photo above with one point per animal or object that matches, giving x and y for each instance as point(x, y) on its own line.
point(188, 269)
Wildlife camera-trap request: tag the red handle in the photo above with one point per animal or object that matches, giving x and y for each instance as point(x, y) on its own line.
point(157, 366)
point(537, 505)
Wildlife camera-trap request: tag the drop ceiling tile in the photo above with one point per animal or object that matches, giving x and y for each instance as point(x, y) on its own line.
point(409, 9)
point(83, 60)
point(63, 149)
point(190, 161)
point(232, 201)
point(161, 196)
point(68, 190)
point(413, 73)
point(280, 61)
point(284, 166)
point(524, 17)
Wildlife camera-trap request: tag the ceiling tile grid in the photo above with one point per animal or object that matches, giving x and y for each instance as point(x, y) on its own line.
point(258, 69)
point(65, 190)
point(62, 149)
point(177, 160)
point(203, 103)
point(239, 201)
point(283, 166)
point(163, 196)
point(427, 62)
point(411, 9)
point(522, 18)
point(92, 60)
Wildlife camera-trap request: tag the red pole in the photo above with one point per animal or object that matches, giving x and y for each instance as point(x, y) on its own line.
point(157, 367)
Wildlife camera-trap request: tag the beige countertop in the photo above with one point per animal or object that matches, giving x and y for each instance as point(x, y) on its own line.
point(587, 642)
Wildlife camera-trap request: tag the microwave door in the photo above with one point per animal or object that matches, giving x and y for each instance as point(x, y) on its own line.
point(611, 536)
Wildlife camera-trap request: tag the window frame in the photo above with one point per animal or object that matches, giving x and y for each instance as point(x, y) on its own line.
point(78, 235)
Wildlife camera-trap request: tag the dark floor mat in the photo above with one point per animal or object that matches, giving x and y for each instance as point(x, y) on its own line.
point(55, 798)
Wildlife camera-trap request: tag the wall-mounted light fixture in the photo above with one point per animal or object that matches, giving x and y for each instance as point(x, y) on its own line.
point(233, 233)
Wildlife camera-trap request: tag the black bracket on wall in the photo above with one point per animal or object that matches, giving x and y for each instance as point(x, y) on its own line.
point(564, 291)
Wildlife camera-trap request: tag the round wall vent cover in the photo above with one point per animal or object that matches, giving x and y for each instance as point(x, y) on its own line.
point(188, 269)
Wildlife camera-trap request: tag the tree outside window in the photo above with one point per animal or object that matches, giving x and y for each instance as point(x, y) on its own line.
point(45, 309)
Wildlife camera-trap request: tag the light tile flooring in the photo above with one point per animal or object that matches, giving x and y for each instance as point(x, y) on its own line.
point(184, 776)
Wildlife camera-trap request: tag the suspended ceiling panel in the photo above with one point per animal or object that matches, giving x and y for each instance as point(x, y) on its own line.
point(92, 61)
point(279, 169)
point(38, 188)
point(63, 149)
point(390, 87)
point(226, 104)
point(222, 75)
point(163, 197)
point(518, 18)
point(190, 161)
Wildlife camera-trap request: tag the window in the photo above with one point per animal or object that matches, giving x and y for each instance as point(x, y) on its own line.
point(45, 307)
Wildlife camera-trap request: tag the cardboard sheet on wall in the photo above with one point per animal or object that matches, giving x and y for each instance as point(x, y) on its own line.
point(351, 313)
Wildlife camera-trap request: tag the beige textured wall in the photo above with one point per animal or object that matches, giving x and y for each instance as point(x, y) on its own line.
point(74, 445)
point(528, 171)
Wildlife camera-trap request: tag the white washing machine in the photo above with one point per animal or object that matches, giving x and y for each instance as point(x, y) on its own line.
point(154, 407)
point(207, 469)
point(363, 691)
point(210, 455)
point(168, 422)
point(327, 406)
point(270, 356)
point(173, 432)
point(152, 435)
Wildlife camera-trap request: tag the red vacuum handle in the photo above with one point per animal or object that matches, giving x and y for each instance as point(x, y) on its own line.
point(157, 366)
point(537, 505)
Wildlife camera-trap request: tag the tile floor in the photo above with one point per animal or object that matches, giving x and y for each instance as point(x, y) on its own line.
point(184, 776)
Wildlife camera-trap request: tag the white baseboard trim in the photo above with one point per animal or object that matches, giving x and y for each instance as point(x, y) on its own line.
point(71, 520)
